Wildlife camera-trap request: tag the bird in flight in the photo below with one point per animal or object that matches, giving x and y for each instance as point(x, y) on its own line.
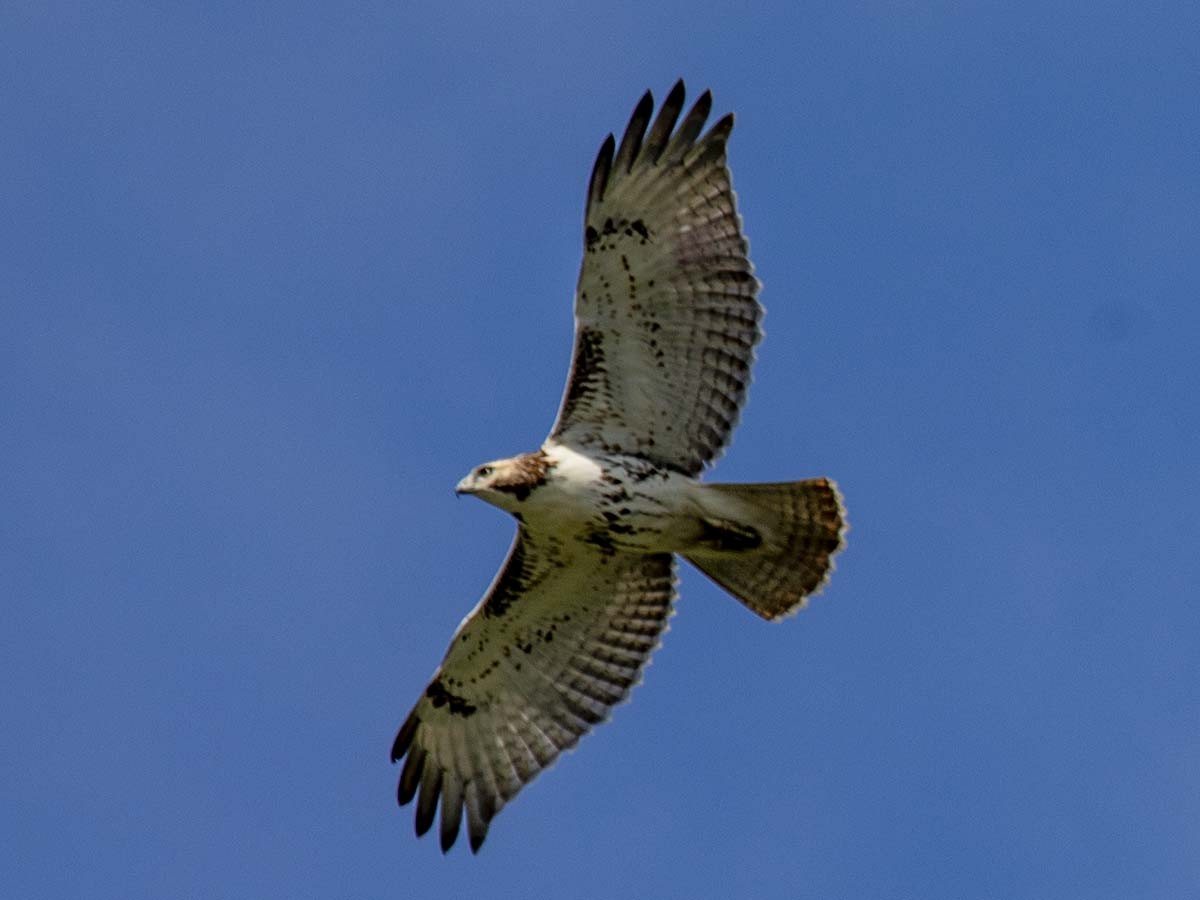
point(666, 321)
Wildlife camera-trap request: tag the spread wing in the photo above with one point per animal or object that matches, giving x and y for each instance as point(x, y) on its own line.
point(666, 315)
point(559, 638)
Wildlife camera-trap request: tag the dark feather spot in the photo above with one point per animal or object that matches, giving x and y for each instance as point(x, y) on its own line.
point(603, 540)
point(439, 696)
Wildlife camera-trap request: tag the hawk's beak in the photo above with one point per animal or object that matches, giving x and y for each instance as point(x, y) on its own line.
point(463, 487)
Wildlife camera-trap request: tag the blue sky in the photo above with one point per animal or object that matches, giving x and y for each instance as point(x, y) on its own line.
point(272, 279)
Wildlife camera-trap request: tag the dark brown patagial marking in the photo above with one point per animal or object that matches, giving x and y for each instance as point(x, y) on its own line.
point(518, 576)
point(587, 369)
point(510, 587)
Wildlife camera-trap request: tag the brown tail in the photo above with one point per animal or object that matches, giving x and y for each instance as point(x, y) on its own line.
point(770, 545)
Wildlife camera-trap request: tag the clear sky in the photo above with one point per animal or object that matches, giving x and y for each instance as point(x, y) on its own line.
point(274, 276)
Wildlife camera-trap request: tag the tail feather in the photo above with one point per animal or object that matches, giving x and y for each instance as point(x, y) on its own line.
point(770, 545)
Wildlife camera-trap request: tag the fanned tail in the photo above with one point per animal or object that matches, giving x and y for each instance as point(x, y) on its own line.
point(771, 545)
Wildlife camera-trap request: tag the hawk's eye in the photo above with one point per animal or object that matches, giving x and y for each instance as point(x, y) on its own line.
point(484, 471)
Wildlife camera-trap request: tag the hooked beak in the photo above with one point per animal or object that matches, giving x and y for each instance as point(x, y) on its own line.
point(463, 487)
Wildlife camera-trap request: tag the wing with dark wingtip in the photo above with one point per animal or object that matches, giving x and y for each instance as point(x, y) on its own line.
point(559, 639)
point(666, 311)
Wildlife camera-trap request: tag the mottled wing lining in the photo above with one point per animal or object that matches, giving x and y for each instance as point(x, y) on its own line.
point(666, 310)
point(559, 639)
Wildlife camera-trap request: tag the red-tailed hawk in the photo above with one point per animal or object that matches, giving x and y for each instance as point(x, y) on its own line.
point(666, 320)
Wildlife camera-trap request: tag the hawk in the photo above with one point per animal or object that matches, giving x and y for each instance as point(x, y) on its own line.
point(666, 321)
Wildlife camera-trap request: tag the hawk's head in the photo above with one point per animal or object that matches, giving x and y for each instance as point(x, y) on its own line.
point(506, 483)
